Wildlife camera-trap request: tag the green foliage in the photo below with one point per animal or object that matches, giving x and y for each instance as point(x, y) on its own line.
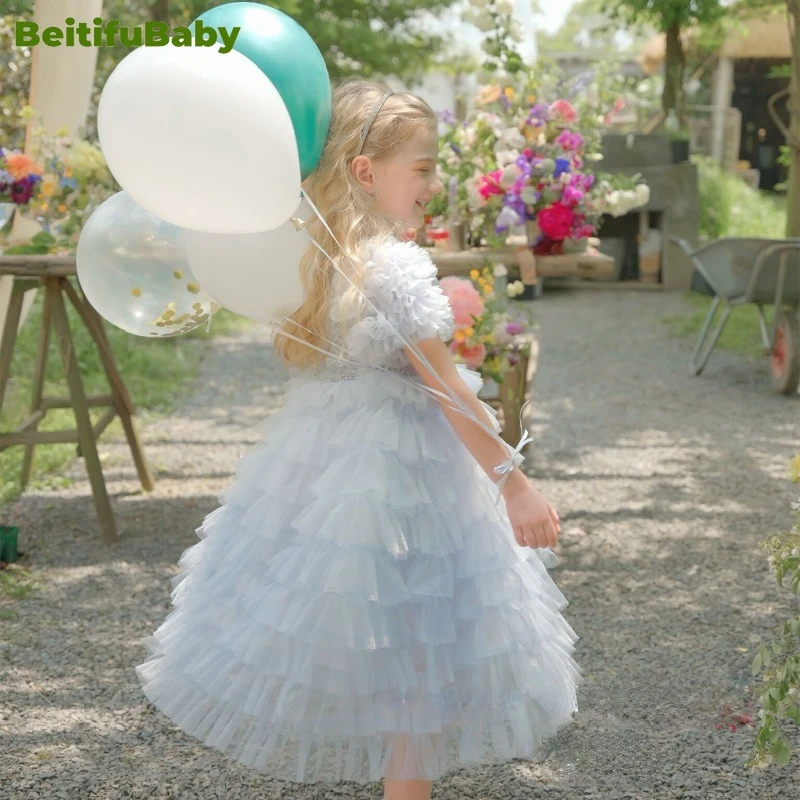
point(665, 14)
point(729, 207)
point(779, 658)
point(354, 37)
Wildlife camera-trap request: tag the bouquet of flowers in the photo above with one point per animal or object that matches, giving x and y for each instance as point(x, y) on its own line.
point(19, 175)
point(68, 181)
point(542, 177)
point(488, 337)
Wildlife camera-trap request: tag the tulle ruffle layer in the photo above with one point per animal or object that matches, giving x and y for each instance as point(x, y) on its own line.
point(356, 609)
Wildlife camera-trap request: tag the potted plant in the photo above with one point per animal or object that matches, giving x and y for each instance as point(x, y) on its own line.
point(678, 137)
point(492, 339)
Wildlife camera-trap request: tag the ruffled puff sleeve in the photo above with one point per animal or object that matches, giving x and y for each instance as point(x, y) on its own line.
point(400, 280)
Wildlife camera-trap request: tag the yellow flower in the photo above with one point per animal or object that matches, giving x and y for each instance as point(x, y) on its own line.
point(27, 112)
point(43, 206)
point(459, 336)
point(531, 98)
point(470, 331)
point(474, 274)
point(482, 281)
point(67, 171)
point(795, 468)
point(62, 208)
point(62, 131)
point(48, 186)
point(509, 93)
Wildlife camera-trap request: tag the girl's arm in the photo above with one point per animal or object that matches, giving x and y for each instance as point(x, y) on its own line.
point(488, 452)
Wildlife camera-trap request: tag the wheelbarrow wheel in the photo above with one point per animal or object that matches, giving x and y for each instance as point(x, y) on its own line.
point(785, 356)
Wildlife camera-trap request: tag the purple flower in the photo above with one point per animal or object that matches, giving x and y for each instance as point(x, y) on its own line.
point(447, 116)
point(569, 141)
point(455, 149)
point(513, 328)
point(562, 166)
point(539, 113)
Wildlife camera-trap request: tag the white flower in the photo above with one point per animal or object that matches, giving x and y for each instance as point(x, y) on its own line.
point(483, 22)
point(469, 136)
point(510, 174)
point(515, 288)
point(500, 270)
point(505, 157)
point(528, 195)
point(594, 156)
point(507, 217)
point(565, 178)
point(642, 194)
point(504, 6)
point(512, 138)
point(501, 336)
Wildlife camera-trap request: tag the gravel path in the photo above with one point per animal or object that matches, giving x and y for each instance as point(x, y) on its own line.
point(664, 483)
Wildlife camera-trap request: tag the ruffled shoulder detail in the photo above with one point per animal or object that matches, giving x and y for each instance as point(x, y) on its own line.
point(400, 279)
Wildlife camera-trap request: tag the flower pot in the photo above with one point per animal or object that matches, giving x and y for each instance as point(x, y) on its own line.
point(575, 245)
point(8, 543)
point(680, 150)
point(512, 397)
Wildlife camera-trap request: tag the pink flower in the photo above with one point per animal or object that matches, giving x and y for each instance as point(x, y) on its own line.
point(473, 356)
point(619, 104)
point(556, 221)
point(571, 196)
point(565, 110)
point(464, 298)
point(569, 141)
point(490, 184)
point(582, 232)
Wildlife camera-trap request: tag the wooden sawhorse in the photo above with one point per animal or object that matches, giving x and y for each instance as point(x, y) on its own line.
point(52, 273)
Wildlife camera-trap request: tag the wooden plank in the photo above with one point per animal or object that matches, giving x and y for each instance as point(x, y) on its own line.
point(92, 400)
point(39, 437)
point(108, 527)
point(30, 266)
point(38, 387)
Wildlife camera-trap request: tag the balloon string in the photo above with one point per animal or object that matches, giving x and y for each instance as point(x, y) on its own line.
point(406, 343)
point(397, 374)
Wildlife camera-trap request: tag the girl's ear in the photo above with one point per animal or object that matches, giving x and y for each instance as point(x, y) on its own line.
point(361, 167)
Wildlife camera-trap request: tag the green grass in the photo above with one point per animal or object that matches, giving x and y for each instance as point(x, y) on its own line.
point(742, 332)
point(729, 207)
point(157, 373)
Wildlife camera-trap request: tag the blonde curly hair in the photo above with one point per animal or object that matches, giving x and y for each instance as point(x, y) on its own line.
point(349, 210)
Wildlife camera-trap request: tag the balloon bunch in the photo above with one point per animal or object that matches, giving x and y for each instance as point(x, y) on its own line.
point(210, 149)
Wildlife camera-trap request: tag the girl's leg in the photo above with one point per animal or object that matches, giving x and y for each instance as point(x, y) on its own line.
point(407, 790)
point(410, 789)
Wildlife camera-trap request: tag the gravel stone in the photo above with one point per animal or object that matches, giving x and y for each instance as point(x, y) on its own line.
point(665, 484)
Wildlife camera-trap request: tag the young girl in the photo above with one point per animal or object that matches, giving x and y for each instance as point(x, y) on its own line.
point(364, 605)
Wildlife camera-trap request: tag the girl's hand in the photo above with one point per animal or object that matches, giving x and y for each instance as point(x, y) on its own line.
point(534, 520)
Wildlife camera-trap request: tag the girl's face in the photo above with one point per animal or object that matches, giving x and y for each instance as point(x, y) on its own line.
point(406, 181)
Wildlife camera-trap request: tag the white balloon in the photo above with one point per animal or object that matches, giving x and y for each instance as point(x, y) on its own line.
point(256, 274)
point(201, 139)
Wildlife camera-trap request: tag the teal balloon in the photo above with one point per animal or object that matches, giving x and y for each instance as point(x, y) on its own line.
point(288, 56)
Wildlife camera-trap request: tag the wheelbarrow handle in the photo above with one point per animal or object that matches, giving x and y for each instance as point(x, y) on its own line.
point(683, 244)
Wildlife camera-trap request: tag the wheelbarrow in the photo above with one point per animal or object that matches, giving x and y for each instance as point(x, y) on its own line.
point(760, 271)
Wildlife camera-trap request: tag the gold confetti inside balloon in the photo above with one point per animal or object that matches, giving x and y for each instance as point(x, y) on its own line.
point(133, 269)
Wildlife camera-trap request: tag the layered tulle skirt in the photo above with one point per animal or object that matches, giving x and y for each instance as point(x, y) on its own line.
point(357, 608)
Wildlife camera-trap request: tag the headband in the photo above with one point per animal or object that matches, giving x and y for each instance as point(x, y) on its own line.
point(371, 119)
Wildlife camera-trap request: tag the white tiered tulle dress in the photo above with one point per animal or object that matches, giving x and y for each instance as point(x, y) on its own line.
point(357, 608)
